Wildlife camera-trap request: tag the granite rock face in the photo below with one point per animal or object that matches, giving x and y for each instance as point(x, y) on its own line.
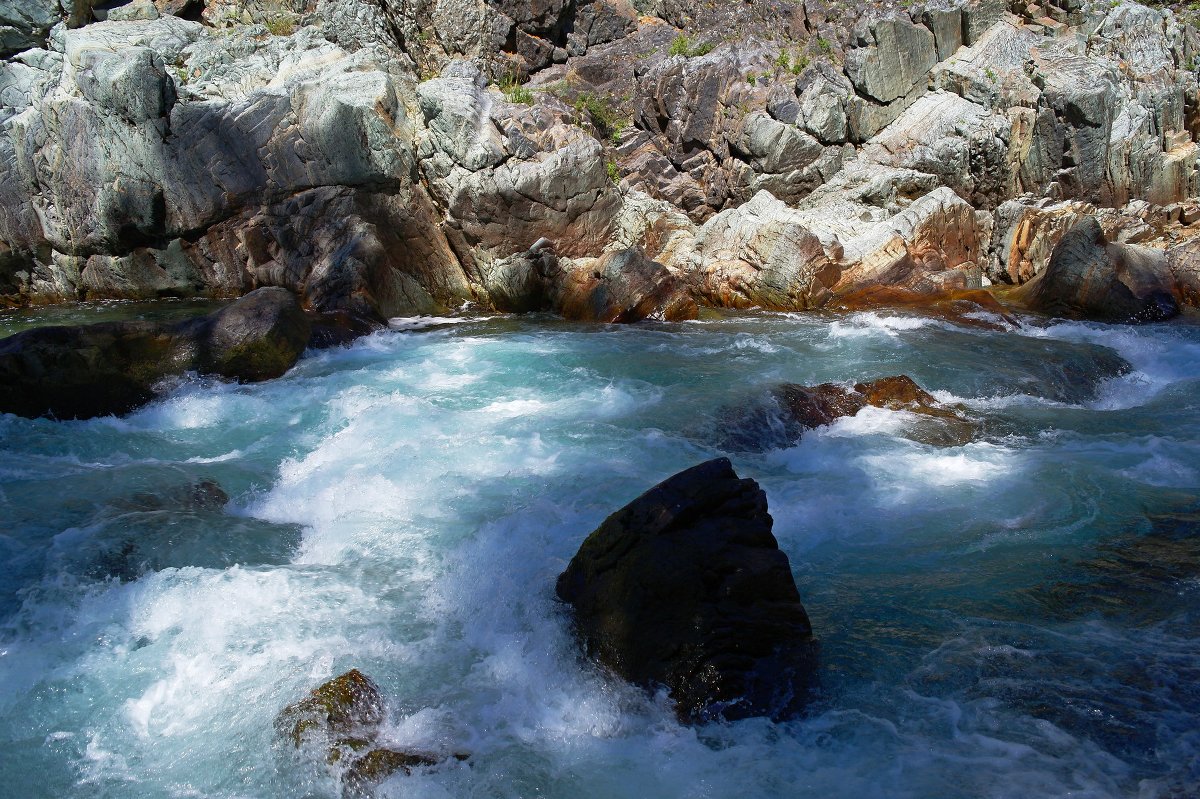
point(405, 156)
point(686, 587)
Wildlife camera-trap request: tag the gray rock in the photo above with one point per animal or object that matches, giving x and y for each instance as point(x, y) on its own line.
point(897, 57)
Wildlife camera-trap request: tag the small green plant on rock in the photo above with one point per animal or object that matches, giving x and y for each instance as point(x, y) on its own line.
point(614, 174)
point(513, 91)
point(607, 119)
point(280, 25)
point(684, 46)
point(824, 45)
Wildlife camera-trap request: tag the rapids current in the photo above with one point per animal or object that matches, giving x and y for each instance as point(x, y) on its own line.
point(1018, 616)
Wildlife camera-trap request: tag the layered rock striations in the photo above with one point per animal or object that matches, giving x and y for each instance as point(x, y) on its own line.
point(388, 157)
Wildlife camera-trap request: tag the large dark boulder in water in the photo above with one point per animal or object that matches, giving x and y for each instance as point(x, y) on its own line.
point(686, 587)
point(82, 371)
point(1090, 278)
point(259, 337)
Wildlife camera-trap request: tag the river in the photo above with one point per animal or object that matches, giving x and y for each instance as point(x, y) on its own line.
point(1017, 616)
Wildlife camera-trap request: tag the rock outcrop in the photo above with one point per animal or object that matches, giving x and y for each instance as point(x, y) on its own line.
point(113, 367)
point(1089, 277)
point(397, 158)
point(686, 588)
point(792, 409)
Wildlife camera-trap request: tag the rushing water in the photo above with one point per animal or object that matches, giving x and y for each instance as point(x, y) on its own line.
point(1017, 616)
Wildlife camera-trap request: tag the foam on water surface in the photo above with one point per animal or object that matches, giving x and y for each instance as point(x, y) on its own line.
point(443, 472)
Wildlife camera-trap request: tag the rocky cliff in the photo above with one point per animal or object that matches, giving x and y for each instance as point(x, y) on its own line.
point(602, 159)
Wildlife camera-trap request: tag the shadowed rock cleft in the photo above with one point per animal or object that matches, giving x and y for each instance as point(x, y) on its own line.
point(686, 587)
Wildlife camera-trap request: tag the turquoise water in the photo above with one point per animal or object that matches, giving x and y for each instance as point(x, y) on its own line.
point(1014, 617)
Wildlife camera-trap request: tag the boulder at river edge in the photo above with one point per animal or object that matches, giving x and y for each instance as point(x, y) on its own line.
point(686, 587)
point(1090, 278)
point(83, 371)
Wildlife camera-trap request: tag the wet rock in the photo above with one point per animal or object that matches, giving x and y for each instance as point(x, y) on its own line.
point(824, 404)
point(686, 587)
point(338, 328)
point(790, 409)
point(147, 535)
point(257, 338)
point(343, 717)
point(1090, 278)
point(372, 768)
point(200, 495)
point(111, 368)
point(346, 705)
point(819, 405)
point(977, 308)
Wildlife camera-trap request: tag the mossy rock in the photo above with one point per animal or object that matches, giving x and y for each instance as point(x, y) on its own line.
point(339, 707)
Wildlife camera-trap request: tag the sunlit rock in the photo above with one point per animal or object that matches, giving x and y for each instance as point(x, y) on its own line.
point(342, 717)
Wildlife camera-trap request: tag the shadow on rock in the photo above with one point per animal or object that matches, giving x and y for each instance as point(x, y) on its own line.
point(83, 371)
point(1090, 278)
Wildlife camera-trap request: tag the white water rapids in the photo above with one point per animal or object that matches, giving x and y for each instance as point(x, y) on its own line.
point(1013, 617)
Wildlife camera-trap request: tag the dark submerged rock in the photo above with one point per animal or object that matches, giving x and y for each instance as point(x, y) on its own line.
point(82, 371)
point(337, 328)
point(686, 587)
point(791, 409)
point(199, 495)
point(85, 370)
point(1090, 278)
